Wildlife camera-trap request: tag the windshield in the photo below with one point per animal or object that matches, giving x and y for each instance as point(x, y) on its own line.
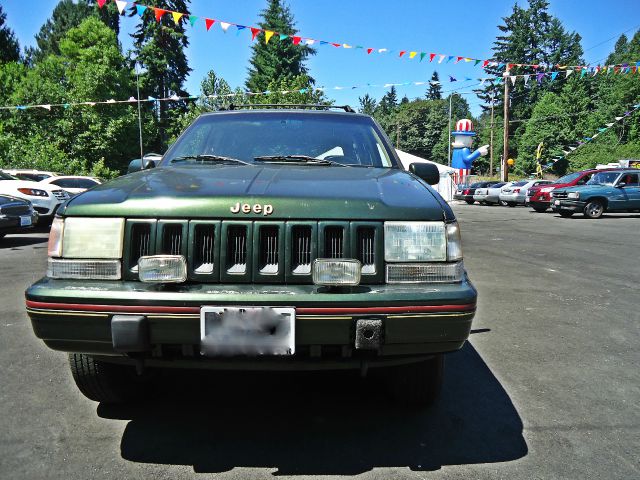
point(347, 140)
point(6, 176)
point(604, 178)
point(568, 178)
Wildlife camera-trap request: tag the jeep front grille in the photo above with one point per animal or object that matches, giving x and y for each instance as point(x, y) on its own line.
point(366, 252)
point(301, 250)
point(559, 194)
point(140, 244)
point(255, 252)
point(236, 250)
point(333, 242)
point(203, 251)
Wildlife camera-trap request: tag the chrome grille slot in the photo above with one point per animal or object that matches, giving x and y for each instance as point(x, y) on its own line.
point(334, 242)
point(301, 250)
point(140, 244)
point(203, 252)
point(60, 194)
point(236, 250)
point(268, 248)
point(172, 240)
point(366, 249)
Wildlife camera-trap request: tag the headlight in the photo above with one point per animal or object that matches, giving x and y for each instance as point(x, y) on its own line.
point(454, 242)
point(415, 242)
point(546, 190)
point(92, 237)
point(55, 237)
point(34, 192)
point(575, 195)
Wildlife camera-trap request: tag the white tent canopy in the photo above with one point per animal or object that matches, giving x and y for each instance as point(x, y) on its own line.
point(445, 187)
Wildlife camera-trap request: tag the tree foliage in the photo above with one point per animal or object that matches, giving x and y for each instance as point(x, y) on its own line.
point(9, 47)
point(66, 15)
point(278, 61)
point(435, 89)
point(79, 138)
point(159, 48)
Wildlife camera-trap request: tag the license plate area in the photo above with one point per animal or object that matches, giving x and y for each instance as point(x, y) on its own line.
point(252, 331)
point(25, 221)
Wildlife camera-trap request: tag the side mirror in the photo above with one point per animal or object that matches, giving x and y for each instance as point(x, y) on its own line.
point(137, 165)
point(426, 171)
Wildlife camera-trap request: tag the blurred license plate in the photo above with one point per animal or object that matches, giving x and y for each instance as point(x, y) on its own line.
point(557, 202)
point(247, 330)
point(25, 221)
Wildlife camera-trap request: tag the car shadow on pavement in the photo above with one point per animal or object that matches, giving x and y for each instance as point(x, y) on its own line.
point(320, 424)
point(14, 241)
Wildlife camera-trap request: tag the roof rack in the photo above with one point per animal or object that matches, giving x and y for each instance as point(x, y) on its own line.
point(346, 108)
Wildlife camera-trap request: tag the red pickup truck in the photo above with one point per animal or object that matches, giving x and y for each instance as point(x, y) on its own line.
point(539, 197)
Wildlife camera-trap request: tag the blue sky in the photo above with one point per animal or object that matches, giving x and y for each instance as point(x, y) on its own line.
point(465, 28)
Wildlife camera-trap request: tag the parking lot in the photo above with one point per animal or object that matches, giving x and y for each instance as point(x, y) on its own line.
point(547, 387)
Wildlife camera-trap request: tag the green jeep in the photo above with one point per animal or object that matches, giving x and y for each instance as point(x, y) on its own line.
point(263, 240)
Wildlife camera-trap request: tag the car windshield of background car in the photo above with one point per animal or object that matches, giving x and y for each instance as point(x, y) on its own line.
point(604, 178)
point(349, 141)
point(6, 176)
point(520, 184)
point(568, 178)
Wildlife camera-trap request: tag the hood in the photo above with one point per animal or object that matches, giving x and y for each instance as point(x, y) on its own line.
point(290, 191)
point(589, 189)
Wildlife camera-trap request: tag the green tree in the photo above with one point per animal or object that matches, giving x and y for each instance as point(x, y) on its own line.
point(77, 139)
point(9, 47)
point(159, 47)
point(280, 59)
point(435, 90)
point(368, 104)
point(299, 90)
point(66, 15)
point(530, 36)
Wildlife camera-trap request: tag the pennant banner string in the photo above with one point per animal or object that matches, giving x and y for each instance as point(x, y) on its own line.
point(404, 53)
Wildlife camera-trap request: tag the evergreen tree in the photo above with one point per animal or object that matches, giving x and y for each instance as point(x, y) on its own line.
point(66, 15)
point(368, 104)
point(279, 60)
point(389, 101)
point(530, 36)
point(9, 47)
point(159, 48)
point(435, 89)
point(404, 100)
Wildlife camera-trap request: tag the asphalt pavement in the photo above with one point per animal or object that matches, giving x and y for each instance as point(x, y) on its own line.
point(547, 387)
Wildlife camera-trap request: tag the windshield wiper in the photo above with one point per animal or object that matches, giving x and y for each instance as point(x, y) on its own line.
point(303, 159)
point(209, 158)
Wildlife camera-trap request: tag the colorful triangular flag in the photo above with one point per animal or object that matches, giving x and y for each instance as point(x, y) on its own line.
point(159, 13)
point(140, 9)
point(254, 33)
point(121, 6)
point(209, 23)
point(176, 17)
point(192, 20)
point(267, 35)
point(224, 26)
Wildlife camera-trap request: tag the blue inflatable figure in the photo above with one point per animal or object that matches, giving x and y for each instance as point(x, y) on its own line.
point(462, 158)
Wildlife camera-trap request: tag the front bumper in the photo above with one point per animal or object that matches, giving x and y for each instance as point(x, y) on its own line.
point(568, 205)
point(75, 316)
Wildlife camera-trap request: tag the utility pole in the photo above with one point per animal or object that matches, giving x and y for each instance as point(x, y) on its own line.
point(139, 116)
point(449, 154)
point(398, 136)
point(505, 153)
point(491, 140)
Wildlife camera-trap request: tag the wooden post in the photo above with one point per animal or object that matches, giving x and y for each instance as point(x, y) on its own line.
point(505, 152)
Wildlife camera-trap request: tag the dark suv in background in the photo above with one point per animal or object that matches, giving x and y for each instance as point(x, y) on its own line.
point(465, 192)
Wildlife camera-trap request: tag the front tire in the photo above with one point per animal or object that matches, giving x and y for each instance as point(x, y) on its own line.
point(594, 209)
point(102, 381)
point(470, 202)
point(511, 204)
point(417, 384)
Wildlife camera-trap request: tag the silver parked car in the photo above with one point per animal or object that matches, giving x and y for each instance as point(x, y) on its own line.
point(488, 195)
point(516, 193)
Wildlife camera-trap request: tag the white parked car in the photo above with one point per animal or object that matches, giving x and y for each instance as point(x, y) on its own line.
point(516, 193)
point(488, 195)
point(45, 198)
point(73, 184)
point(30, 174)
